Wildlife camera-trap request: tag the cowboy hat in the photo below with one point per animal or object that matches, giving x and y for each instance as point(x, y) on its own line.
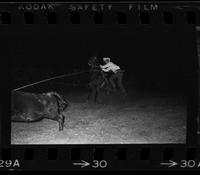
point(106, 59)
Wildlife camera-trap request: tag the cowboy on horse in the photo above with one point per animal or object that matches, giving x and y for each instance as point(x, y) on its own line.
point(117, 74)
point(98, 79)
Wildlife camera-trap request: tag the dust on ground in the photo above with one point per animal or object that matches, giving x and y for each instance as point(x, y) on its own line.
point(143, 120)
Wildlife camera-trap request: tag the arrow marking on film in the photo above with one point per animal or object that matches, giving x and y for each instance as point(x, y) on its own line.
point(82, 163)
point(170, 163)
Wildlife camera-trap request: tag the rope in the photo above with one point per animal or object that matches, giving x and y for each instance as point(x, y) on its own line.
point(60, 76)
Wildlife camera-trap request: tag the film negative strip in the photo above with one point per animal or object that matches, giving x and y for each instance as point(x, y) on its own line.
point(99, 86)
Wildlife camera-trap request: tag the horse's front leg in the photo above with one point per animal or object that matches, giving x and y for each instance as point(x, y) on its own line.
point(97, 94)
point(92, 93)
point(89, 86)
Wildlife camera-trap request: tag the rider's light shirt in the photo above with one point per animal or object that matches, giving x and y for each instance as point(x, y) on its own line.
point(110, 66)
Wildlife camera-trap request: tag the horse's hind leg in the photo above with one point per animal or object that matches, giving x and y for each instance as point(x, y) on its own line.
point(61, 121)
point(108, 89)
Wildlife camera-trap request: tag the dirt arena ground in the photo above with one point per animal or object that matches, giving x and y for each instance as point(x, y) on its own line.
point(138, 119)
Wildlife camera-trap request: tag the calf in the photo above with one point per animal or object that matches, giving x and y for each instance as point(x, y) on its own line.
point(29, 107)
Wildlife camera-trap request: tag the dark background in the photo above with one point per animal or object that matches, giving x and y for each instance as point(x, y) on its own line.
point(161, 59)
point(154, 58)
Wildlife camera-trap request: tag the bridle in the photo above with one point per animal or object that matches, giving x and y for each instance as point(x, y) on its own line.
point(95, 67)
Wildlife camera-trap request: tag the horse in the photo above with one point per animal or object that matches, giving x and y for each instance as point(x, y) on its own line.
point(98, 80)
